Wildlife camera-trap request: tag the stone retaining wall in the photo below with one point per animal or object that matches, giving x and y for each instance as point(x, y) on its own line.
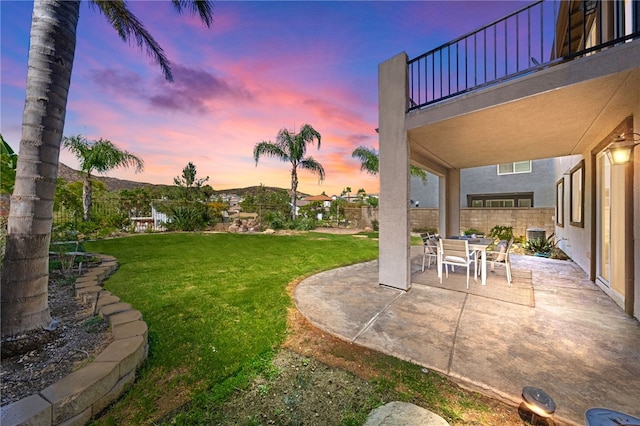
point(84, 393)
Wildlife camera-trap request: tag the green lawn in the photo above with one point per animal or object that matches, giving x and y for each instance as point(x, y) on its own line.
point(216, 306)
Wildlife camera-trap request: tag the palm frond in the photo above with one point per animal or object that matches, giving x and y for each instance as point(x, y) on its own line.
point(80, 147)
point(313, 166)
point(308, 134)
point(130, 27)
point(269, 149)
point(369, 159)
point(203, 8)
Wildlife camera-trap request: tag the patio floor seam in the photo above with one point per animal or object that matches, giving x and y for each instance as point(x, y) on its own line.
point(455, 333)
point(375, 317)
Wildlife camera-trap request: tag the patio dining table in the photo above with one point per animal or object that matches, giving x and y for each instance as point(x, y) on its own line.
point(479, 245)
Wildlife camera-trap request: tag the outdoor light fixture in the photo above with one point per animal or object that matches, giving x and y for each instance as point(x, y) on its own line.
point(538, 403)
point(619, 151)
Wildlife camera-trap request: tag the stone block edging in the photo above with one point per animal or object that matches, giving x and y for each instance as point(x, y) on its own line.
point(76, 398)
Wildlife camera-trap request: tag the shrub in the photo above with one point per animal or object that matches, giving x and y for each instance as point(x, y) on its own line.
point(501, 232)
point(187, 217)
point(275, 219)
point(303, 224)
point(473, 231)
point(546, 247)
point(375, 225)
point(538, 245)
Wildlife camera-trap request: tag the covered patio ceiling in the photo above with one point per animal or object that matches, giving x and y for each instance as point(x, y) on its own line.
point(554, 112)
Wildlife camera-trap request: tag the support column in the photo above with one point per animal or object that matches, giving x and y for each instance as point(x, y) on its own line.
point(635, 217)
point(394, 246)
point(452, 204)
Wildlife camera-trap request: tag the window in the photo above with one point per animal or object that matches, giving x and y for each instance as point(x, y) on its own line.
point(513, 168)
point(560, 203)
point(509, 200)
point(577, 195)
point(499, 203)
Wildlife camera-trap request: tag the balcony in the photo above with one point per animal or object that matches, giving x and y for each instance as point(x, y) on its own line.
point(536, 37)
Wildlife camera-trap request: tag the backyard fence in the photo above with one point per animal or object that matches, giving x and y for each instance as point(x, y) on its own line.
point(483, 219)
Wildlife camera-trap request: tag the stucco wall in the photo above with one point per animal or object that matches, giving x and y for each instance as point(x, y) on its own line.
point(485, 180)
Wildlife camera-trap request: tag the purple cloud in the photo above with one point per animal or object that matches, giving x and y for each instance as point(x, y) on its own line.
point(192, 90)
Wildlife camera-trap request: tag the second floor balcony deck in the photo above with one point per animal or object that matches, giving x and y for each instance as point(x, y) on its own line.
point(535, 37)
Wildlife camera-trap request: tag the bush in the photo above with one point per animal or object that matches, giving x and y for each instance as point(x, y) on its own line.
point(473, 231)
point(275, 219)
point(538, 245)
point(375, 225)
point(546, 248)
point(303, 224)
point(501, 232)
point(187, 217)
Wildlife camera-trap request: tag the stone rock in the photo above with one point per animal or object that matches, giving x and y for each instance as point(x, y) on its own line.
point(403, 414)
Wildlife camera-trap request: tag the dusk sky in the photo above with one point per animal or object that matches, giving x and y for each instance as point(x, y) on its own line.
point(262, 66)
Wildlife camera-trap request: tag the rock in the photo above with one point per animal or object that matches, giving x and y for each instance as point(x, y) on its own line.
point(405, 414)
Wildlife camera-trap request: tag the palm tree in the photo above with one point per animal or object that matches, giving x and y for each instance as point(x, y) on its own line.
point(292, 147)
point(25, 272)
point(369, 159)
point(98, 156)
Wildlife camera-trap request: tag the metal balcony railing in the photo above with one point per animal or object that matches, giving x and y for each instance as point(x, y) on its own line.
point(535, 37)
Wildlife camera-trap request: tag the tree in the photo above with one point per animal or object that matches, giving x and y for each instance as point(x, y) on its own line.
point(347, 192)
point(188, 180)
point(292, 147)
point(369, 159)
point(98, 156)
point(25, 274)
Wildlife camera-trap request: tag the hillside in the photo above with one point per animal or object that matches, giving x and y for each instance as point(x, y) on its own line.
point(70, 175)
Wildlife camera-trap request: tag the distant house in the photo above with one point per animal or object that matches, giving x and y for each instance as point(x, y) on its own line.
point(326, 200)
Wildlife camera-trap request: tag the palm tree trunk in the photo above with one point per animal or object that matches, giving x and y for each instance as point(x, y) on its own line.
point(294, 192)
point(25, 272)
point(87, 197)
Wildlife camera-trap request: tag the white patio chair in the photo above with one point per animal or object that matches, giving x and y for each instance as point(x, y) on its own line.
point(456, 253)
point(430, 246)
point(502, 257)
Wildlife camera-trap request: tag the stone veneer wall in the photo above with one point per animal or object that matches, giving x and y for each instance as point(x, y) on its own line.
point(481, 219)
point(84, 393)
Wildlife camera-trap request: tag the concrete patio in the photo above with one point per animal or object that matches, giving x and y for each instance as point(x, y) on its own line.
point(572, 341)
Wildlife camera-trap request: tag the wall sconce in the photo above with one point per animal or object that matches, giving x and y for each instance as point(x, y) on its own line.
point(619, 151)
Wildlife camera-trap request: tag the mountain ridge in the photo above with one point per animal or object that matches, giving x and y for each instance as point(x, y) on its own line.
point(114, 184)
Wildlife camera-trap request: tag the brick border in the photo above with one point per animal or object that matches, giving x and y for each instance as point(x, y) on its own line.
point(75, 399)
